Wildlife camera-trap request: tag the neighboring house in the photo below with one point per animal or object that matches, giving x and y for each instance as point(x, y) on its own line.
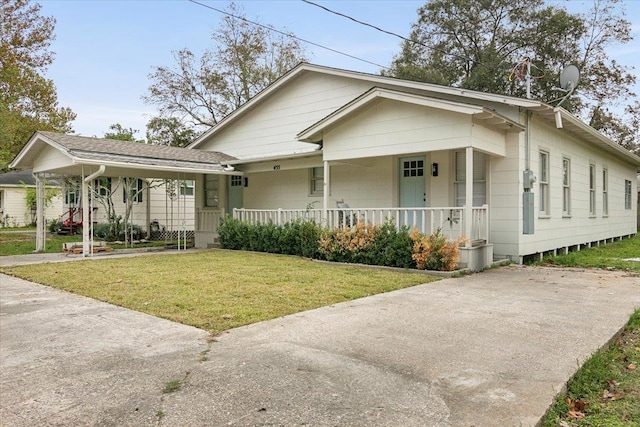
point(517, 177)
point(14, 211)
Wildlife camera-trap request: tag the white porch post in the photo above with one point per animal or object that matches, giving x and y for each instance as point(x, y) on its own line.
point(468, 195)
point(40, 225)
point(85, 217)
point(326, 185)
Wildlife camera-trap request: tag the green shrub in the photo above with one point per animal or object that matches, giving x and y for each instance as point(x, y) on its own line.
point(368, 244)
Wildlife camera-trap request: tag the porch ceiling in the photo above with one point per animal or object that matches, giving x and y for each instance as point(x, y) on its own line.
point(481, 114)
point(72, 155)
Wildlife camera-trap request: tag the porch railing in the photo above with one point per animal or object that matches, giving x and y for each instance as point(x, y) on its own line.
point(209, 220)
point(450, 220)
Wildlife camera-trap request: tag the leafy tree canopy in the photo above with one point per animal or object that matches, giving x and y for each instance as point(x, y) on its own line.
point(119, 132)
point(200, 90)
point(169, 131)
point(482, 45)
point(28, 100)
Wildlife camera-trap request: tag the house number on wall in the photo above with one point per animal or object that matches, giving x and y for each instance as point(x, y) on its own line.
point(276, 168)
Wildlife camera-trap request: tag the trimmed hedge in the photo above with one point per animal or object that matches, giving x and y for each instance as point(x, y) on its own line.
point(363, 244)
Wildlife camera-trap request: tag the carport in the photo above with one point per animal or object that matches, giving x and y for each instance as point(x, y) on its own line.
point(53, 154)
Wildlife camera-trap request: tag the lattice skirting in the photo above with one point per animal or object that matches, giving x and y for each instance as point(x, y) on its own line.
point(172, 235)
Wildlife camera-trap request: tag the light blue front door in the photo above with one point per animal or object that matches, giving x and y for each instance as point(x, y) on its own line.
point(234, 193)
point(412, 189)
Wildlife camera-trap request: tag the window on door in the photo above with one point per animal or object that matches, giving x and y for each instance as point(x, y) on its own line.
point(479, 178)
point(413, 168)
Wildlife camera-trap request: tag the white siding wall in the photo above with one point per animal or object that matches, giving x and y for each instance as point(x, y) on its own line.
point(183, 208)
point(505, 197)
point(395, 128)
point(370, 185)
point(580, 228)
point(14, 206)
point(270, 128)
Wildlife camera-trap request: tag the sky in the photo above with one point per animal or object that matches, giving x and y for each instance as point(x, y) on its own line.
point(106, 49)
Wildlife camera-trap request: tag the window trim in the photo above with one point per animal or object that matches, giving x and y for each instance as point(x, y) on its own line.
point(566, 187)
point(459, 183)
point(544, 186)
point(138, 188)
point(214, 192)
point(316, 181)
point(592, 189)
point(187, 184)
point(605, 192)
point(628, 185)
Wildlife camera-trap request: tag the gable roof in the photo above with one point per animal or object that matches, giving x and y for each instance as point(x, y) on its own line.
point(374, 79)
point(125, 154)
point(547, 112)
point(314, 132)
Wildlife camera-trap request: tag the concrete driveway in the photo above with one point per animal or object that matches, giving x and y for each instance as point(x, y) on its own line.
point(490, 349)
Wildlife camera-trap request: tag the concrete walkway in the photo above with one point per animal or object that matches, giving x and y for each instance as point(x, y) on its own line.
point(490, 349)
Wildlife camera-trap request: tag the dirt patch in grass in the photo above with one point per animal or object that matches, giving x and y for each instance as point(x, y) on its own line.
point(217, 290)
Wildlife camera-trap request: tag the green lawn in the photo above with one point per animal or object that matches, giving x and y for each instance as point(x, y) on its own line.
point(22, 243)
point(217, 290)
point(605, 392)
point(605, 256)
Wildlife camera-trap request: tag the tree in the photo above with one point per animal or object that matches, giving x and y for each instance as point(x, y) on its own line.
point(482, 45)
point(200, 91)
point(168, 131)
point(121, 133)
point(28, 101)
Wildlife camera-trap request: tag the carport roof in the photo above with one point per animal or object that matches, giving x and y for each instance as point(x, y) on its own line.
point(82, 150)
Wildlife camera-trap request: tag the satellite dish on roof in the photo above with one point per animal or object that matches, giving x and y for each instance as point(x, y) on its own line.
point(569, 78)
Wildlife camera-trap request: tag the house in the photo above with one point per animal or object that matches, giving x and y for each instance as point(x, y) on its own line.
point(517, 177)
point(14, 187)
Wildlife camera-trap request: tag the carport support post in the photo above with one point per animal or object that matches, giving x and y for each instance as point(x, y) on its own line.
point(85, 217)
point(468, 186)
point(325, 192)
point(40, 225)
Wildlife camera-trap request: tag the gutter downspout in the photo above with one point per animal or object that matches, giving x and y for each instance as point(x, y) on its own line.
point(85, 210)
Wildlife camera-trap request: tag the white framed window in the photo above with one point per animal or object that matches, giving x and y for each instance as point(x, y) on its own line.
point(71, 193)
point(211, 186)
point(187, 187)
point(316, 181)
point(103, 187)
point(132, 189)
point(627, 194)
point(592, 189)
point(566, 186)
point(605, 192)
point(479, 178)
point(544, 183)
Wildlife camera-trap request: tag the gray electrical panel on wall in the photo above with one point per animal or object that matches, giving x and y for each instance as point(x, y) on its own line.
point(528, 209)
